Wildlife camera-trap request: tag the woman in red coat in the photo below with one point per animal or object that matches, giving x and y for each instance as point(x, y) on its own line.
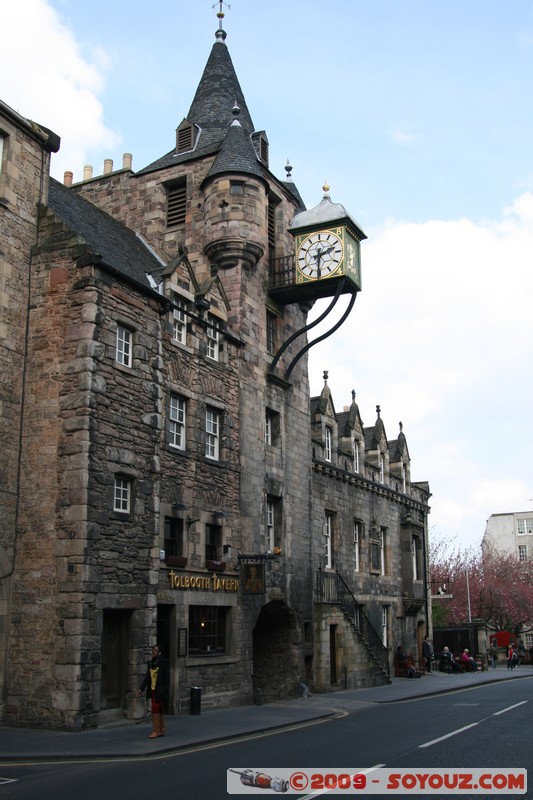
point(156, 683)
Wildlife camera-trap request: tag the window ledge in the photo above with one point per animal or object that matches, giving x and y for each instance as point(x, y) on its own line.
point(198, 661)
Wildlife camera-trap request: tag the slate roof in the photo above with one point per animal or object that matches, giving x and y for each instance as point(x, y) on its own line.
point(237, 154)
point(211, 109)
point(121, 250)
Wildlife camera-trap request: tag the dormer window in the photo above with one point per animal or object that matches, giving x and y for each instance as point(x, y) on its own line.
point(381, 468)
point(179, 321)
point(355, 455)
point(185, 137)
point(213, 337)
point(328, 444)
point(260, 143)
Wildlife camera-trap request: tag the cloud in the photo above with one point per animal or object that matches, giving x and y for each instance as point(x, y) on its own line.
point(440, 337)
point(404, 137)
point(51, 58)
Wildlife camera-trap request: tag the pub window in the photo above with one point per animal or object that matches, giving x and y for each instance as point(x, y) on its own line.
point(213, 543)
point(207, 630)
point(176, 203)
point(173, 536)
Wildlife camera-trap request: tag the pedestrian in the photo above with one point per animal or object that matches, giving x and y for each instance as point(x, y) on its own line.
point(493, 652)
point(427, 653)
point(510, 656)
point(521, 653)
point(156, 683)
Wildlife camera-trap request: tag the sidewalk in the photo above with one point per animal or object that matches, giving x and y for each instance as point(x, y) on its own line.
point(130, 740)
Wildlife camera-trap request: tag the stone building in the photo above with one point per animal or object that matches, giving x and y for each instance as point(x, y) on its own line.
point(166, 475)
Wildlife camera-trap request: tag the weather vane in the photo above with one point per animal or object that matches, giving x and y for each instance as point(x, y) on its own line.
point(220, 13)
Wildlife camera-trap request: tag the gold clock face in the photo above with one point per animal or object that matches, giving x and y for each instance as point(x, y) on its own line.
point(319, 255)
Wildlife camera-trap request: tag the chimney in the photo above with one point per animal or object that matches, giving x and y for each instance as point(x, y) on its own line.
point(108, 166)
point(127, 160)
point(87, 172)
point(67, 178)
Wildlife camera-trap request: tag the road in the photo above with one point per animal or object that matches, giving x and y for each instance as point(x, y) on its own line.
point(487, 727)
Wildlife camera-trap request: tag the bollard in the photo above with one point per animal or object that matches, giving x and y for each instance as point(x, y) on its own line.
point(196, 700)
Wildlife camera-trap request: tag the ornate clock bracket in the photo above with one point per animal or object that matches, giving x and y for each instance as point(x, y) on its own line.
point(343, 287)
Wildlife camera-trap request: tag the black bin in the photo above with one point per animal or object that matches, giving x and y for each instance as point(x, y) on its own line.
point(196, 700)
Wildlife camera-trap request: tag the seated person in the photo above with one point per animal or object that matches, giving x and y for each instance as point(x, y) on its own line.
point(405, 663)
point(447, 661)
point(468, 661)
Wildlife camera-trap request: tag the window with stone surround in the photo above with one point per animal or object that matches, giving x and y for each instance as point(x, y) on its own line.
point(272, 427)
point(177, 421)
point(385, 625)
point(273, 522)
point(123, 346)
point(524, 526)
point(207, 630)
point(357, 536)
point(2, 140)
point(522, 552)
point(212, 434)
point(328, 540)
point(416, 557)
point(271, 332)
point(377, 550)
point(122, 494)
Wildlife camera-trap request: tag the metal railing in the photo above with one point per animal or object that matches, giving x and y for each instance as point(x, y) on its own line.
point(332, 588)
point(282, 272)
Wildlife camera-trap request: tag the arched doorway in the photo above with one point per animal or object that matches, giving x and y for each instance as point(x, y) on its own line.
point(277, 663)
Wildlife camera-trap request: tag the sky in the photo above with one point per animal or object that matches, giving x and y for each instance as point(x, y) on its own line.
point(419, 117)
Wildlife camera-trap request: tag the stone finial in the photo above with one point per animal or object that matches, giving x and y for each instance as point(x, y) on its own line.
point(353, 395)
point(325, 376)
point(288, 170)
point(378, 410)
point(401, 427)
